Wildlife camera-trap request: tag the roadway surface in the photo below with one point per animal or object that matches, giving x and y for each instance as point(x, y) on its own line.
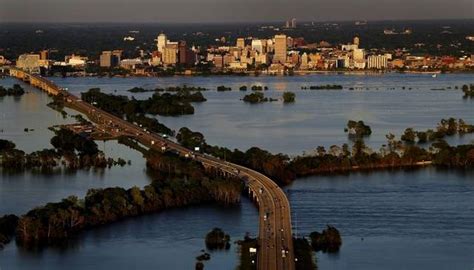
point(275, 251)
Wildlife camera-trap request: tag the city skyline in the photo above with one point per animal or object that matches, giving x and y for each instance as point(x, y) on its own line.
point(229, 11)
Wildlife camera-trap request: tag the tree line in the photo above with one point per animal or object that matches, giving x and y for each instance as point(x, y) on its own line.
point(283, 169)
point(178, 182)
point(70, 150)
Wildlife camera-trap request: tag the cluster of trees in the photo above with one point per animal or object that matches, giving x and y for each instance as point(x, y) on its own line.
point(328, 241)
point(304, 253)
point(446, 127)
point(217, 239)
point(183, 88)
point(357, 129)
point(122, 106)
point(181, 183)
point(8, 224)
point(70, 150)
point(66, 141)
point(254, 88)
point(16, 90)
point(275, 166)
point(283, 170)
point(222, 88)
point(255, 98)
point(258, 88)
point(289, 97)
point(468, 90)
point(323, 87)
point(161, 104)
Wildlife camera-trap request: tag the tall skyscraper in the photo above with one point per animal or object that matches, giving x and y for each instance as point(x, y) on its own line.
point(110, 58)
point(356, 41)
point(44, 55)
point(182, 50)
point(257, 45)
point(280, 49)
point(161, 42)
point(293, 23)
point(106, 59)
point(170, 54)
point(240, 43)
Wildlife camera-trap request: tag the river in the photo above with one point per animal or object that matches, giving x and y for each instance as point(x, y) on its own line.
point(421, 219)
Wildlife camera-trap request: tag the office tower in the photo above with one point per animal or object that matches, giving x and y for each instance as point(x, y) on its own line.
point(106, 59)
point(182, 51)
point(44, 55)
point(240, 43)
point(293, 23)
point(170, 53)
point(356, 41)
point(280, 49)
point(358, 54)
point(161, 42)
point(257, 45)
point(377, 61)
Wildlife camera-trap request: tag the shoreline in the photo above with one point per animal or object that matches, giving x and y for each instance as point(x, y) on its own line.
point(267, 74)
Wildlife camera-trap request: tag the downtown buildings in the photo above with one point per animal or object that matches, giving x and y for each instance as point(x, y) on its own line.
point(277, 54)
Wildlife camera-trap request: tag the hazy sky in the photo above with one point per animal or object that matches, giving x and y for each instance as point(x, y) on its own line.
point(229, 10)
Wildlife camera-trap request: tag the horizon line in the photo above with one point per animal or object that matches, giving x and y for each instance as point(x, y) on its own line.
point(237, 22)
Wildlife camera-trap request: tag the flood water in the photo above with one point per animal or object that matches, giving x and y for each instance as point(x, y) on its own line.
point(421, 219)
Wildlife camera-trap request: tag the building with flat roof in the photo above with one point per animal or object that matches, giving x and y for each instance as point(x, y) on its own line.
point(170, 54)
point(240, 43)
point(377, 62)
point(161, 42)
point(280, 48)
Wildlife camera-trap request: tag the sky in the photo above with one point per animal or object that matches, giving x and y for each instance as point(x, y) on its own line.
point(185, 11)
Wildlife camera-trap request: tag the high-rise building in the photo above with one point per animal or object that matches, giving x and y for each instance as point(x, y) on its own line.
point(170, 54)
point(358, 54)
point(182, 50)
point(293, 23)
point(257, 45)
point(106, 59)
point(304, 61)
point(110, 58)
point(377, 61)
point(161, 42)
point(116, 57)
point(44, 55)
point(280, 49)
point(356, 41)
point(240, 43)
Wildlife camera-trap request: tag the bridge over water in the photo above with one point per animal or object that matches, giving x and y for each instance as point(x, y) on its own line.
point(275, 251)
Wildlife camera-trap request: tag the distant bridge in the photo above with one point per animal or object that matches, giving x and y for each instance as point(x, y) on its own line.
point(275, 251)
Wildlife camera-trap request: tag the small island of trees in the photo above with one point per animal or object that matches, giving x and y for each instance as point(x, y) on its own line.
point(217, 239)
point(257, 97)
point(16, 91)
point(222, 88)
point(328, 241)
point(468, 90)
point(323, 87)
point(445, 128)
point(288, 97)
point(357, 129)
point(71, 151)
